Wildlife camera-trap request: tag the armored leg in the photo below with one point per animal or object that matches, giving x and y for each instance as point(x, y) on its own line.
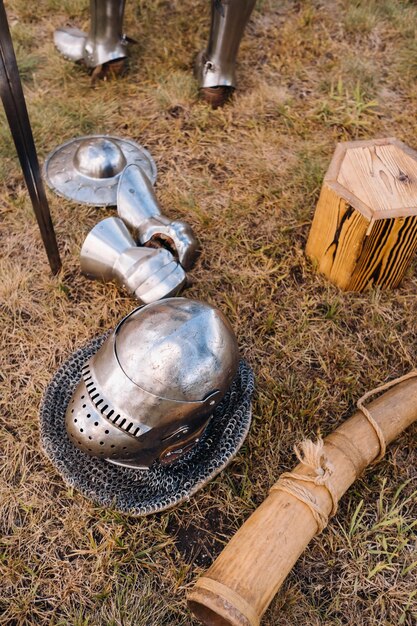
point(105, 43)
point(216, 65)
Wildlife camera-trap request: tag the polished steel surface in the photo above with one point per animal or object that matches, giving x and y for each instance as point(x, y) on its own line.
point(103, 246)
point(88, 169)
point(70, 42)
point(105, 41)
point(175, 235)
point(136, 200)
point(138, 207)
point(110, 253)
point(101, 158)
point(150, 390)
point(216, 65)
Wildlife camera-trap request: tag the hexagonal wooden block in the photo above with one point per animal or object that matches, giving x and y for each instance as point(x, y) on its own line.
point(364, 231)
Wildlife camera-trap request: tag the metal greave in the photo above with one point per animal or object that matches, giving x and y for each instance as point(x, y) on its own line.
point(105, 41)
point(228, 22)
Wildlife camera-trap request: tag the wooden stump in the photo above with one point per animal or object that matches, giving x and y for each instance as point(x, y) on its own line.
point(364, 231)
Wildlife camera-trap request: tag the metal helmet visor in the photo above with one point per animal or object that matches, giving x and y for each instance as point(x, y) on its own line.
point(150, 390)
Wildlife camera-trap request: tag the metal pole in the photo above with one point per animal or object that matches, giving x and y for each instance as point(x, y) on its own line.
point(11, 93)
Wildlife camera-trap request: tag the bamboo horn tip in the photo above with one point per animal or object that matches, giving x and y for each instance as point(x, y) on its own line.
point(204, 614)
point(214, 604)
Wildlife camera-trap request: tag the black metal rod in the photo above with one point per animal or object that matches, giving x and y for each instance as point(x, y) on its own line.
point(13, 99)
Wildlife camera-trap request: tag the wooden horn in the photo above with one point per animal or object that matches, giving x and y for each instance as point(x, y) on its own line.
point(239, 586)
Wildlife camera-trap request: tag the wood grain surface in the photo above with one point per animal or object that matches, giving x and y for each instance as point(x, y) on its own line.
point(384, 177)
point(241, 583)
point(364, 231)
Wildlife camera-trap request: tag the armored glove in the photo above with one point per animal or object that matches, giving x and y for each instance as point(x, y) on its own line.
point(110, 253)
point(138, 207)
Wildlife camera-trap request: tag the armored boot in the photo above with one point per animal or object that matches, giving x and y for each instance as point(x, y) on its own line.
point(104, 49)
point(215, 67)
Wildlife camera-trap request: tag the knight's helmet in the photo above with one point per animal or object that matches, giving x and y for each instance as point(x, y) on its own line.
point(149, 392)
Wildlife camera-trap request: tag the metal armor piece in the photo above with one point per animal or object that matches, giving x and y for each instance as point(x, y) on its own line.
point(139, 209)
point(87, 169)
point(70, 42)
point(105, 41)
point(150, 390)
point(109, 253)
point(216, 65)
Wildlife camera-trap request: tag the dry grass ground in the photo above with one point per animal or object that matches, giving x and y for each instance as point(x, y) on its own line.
point(247, 178)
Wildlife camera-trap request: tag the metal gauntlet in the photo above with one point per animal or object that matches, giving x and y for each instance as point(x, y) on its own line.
point(109, 253)
point(138, 207)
